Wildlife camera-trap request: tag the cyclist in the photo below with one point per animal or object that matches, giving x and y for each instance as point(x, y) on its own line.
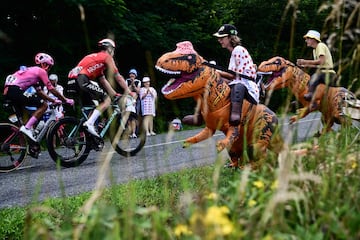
point(59, 111)
point(36, 76)
point(93, 68)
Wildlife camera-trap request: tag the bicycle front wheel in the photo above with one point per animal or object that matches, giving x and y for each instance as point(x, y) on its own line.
point(13, 147)
point(121, 139)
point(67, 142)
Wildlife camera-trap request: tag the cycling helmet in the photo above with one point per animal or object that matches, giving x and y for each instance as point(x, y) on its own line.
point(44, 58)
point(53, 77)
point(106, 43)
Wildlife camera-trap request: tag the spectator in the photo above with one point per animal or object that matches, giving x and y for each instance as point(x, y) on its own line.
point(131, 108)
point(148, 97)
point(134, 85)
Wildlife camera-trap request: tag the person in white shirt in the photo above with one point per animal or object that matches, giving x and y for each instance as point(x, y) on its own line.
point(241, 74)
point(148, 97)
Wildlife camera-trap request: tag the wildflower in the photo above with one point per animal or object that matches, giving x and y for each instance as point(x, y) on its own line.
point(353, 165)
point(274, 185)
point(182, 229)
point(217, 216)
point(252, 203)
point(268, 237)
point(258, 184)
point(212, 196)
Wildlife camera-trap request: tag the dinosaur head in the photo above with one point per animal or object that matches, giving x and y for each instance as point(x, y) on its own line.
point(186, 71)
point(280, 72)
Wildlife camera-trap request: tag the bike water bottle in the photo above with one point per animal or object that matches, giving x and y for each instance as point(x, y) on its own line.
point(39, 127)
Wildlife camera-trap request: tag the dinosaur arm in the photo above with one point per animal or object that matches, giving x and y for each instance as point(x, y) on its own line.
point(201, 136)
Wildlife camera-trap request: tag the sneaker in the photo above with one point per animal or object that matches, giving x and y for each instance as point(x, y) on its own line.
point(133, 135)
point(152, 134)
point(28, 132)
point(148, 134)
point(91, 129)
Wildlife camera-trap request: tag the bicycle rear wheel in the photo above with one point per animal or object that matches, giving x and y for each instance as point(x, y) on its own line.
point(13, 147)
point(67, 142)
point(121, 139)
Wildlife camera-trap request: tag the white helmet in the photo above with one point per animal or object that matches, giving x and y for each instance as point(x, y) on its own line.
point(53, 77)
point(106, 43)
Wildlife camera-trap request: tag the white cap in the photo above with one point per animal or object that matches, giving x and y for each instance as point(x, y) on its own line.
point(53, 77)
point(146, 79)
point(313, 34)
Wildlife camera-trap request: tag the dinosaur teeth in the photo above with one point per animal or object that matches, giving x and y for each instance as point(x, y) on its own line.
point(167, 71)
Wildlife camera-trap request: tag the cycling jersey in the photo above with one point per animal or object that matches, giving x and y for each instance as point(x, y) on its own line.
point(29, 76)
point(93, 65)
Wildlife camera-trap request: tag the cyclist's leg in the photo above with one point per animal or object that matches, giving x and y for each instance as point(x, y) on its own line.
point(95, 92)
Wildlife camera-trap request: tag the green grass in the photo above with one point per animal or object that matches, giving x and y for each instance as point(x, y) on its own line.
point(315, 196)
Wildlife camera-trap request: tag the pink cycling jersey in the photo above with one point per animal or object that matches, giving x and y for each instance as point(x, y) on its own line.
point(30, 76)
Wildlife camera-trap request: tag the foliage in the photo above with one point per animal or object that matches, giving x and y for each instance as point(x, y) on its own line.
point(300, 197)
point(313, 196)
point(144, 30)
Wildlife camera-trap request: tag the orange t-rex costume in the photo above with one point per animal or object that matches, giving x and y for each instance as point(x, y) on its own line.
point(330, 99)
point(258, 123)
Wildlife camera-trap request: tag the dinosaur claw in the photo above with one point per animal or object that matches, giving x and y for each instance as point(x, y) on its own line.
point(186, 144)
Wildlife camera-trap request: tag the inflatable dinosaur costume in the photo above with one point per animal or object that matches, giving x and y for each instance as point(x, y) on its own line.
point(197, 80)
point(286, 75)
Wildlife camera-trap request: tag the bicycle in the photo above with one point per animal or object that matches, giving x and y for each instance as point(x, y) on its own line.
point(14, 144)
point(75, 142)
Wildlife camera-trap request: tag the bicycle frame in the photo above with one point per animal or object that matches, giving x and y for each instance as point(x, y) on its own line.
point(47, 125)
point(116, 112)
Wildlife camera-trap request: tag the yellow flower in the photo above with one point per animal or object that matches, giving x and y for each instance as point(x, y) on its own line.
point(353, 165)
point(217, 217)
point(274, 185)
point(252, 203)
point(182, 229)
point(268, 237)
point(258, 184)
point(212, 196)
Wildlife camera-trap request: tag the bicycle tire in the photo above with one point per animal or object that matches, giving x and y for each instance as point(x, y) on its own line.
point(68, 151)
point(120, 137)
point(13, 147)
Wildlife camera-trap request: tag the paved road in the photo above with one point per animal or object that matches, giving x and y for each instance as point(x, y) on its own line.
point(39, 179)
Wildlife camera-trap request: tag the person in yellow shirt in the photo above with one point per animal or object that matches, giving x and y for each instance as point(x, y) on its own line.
point(323, 62)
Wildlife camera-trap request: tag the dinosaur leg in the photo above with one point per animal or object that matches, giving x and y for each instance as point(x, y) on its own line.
point(196, 119)
point(234, 160)
point(193, 120)
point(231, 136)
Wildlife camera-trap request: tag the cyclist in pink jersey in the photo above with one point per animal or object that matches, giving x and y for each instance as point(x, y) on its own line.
point(93, 67)
point(36, 76)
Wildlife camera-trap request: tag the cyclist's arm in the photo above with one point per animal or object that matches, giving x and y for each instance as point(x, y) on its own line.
point(43, 95)
point(118, 77)
point(121, 81)
point(107, 86)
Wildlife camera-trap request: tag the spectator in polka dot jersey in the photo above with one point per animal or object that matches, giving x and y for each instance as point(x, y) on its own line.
point(242, 73)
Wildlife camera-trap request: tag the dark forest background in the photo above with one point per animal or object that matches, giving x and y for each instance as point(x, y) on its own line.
point(144, 30)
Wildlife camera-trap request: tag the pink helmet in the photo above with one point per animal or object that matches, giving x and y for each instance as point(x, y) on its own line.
point(44, 58)
point(106, 43)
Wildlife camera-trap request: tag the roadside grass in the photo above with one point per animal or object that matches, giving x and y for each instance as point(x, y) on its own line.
point(315, 196)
